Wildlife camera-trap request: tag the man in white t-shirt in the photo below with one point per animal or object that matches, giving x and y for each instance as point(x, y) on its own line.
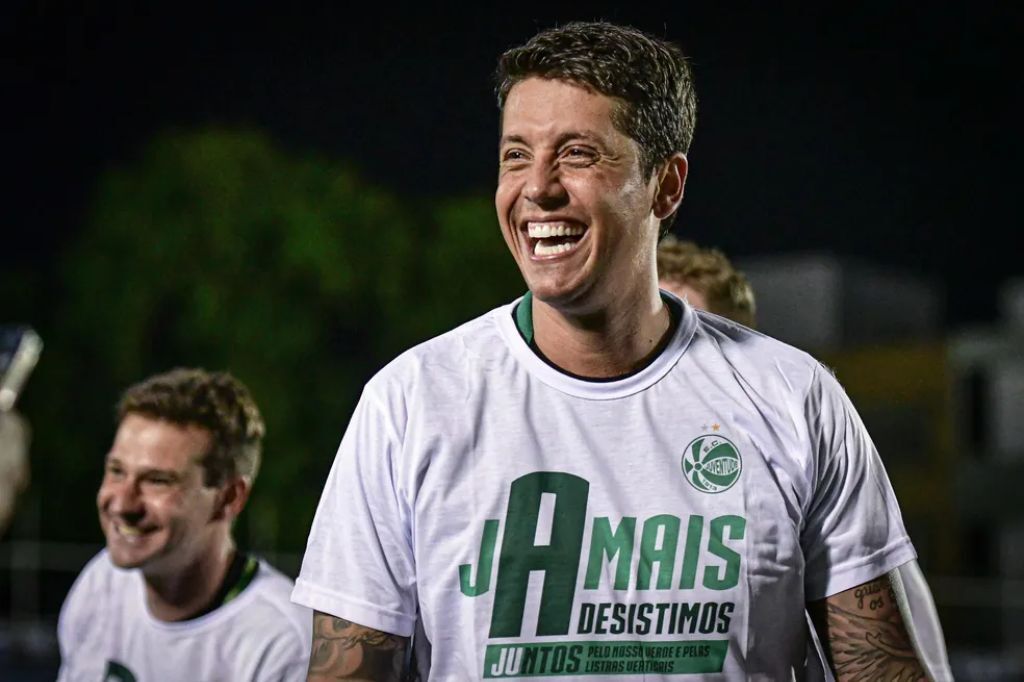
point(598, 480)
point(170, 597)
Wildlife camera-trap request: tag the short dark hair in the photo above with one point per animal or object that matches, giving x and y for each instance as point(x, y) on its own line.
point(649, 77)
point(215, 401)
point(726, 289)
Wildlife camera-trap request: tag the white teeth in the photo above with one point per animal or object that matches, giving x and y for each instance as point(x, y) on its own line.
point(542, 250)
point(545, 230)
point(128, 531)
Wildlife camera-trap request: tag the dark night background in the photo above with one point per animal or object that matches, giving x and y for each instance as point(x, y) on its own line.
point(877, 131)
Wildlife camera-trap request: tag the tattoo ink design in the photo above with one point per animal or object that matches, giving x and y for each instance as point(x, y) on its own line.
point(867, 638)
point(346, 651)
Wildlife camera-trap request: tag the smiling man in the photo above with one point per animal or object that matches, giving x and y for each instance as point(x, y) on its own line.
point(171, 597)
point(596, 479)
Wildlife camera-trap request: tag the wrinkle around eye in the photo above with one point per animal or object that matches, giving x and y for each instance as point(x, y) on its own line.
point(507, 165)
point(514, 154)
point(579, 156)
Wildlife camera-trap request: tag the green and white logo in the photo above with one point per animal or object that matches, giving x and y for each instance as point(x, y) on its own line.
point(712, 464)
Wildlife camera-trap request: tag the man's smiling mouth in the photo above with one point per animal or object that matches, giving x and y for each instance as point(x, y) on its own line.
point(130, 533)
point(551, 238)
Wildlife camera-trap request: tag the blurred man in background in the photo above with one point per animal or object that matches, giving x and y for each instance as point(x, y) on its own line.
point(706, 279)
point(171, 597)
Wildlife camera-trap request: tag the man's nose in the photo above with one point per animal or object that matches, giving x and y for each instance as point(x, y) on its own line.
point(544, 186)
point(125, 499)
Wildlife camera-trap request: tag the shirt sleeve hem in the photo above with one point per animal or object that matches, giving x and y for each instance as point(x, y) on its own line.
point(351, 609)
point(844, 577)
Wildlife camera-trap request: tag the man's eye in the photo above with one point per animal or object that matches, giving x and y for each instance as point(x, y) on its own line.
point(579, 154)
point(513, 155)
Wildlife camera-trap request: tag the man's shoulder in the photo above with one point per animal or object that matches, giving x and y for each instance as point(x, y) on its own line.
point(755, 355)
point(95, 599)
point(474, 336)
point(266, 606)
point(451, 354)
point(100, 579)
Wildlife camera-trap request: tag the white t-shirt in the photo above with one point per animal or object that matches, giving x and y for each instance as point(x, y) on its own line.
point(107, 634)
point(674, 521)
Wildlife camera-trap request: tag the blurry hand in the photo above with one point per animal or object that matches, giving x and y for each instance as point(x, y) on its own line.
point(14, 470)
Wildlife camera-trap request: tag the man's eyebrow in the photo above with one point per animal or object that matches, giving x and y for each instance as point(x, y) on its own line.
point(147, 471)
point(567, 136)
point(509, 139)
point(585, 135)
point(155, 471)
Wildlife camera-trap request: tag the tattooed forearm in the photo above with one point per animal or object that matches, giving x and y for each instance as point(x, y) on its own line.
point(864, 635)
point(347, 651)
point(867, 648)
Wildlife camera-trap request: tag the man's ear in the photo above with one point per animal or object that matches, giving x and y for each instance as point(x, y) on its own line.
point(671, 182)
point(232, 497)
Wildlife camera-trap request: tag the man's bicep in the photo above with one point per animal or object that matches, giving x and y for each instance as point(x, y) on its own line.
point(343, 650)
point(864, 635)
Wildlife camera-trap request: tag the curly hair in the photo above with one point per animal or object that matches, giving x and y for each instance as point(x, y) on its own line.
point(727, 291)
point(649, 78)
point(215, 401)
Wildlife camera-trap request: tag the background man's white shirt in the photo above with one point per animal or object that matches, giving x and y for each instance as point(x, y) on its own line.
point(107, 633)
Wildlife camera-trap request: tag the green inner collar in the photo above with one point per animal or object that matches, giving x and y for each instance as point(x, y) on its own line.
point(524, 323)
point(248, 573)
point(524, 317)
point(240, 573)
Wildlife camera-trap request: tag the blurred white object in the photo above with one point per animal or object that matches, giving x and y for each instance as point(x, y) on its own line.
point(17, 362)
point(918, 610)
point(14, 472)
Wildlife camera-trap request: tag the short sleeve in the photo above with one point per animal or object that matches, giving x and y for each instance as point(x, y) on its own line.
point(359, 563)
point(853, 531)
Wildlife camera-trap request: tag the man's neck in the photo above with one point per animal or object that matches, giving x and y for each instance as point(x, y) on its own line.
point(187, 591)
point(602, 344)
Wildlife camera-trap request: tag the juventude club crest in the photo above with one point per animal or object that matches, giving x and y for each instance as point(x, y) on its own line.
point(711, 463)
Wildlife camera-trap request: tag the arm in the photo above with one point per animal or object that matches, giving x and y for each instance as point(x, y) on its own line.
point(343, 650)
point(864, 636)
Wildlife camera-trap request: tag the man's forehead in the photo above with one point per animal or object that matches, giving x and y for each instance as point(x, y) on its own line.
point(537, 81)
point(156, 442)
point(145, 464)
point(540, 103)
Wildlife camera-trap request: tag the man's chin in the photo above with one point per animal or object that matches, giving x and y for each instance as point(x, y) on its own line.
point(126, 559)
point(571, 297)
point(551, 289)
point(124, 556)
